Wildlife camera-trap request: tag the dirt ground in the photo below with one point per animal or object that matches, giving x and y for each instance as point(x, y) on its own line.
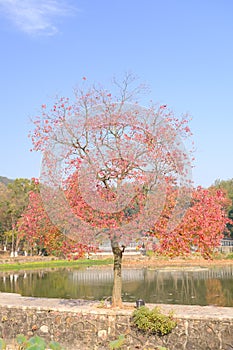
point(176, 262)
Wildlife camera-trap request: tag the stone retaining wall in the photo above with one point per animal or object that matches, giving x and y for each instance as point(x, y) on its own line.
point(88, 326)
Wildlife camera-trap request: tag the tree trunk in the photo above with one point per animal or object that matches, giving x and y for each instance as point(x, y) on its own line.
point(13, 243)
point(117, 282)
point(5, 244)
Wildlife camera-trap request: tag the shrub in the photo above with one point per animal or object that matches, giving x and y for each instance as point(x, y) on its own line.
point(153, 321)
point(229, 256)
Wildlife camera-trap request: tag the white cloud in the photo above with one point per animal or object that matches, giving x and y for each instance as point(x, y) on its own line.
point(36, 16)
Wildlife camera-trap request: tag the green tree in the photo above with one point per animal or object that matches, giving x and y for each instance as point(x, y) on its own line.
point(227, 186)
point(5, 222)
point(13, 201)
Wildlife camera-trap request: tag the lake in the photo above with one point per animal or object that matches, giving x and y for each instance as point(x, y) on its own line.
point(190, 286)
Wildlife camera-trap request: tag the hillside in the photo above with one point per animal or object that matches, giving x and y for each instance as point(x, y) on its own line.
point(5, 180)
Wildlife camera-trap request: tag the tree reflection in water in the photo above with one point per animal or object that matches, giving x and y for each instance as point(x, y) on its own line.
point(200, 286)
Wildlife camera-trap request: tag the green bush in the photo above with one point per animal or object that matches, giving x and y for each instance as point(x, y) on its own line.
point(153, 321)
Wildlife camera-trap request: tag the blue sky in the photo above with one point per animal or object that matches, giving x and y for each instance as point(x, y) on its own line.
point(182, 49)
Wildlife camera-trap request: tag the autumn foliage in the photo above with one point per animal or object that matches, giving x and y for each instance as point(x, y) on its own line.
point(200, 230)
point(126, 155)
point(40, 235)
point(108, 164)
point(112, 170)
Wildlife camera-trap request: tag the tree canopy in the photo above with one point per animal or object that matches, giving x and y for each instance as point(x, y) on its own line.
point(107, 162)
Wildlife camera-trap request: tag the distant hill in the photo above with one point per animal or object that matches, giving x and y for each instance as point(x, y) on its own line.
point(5, 180)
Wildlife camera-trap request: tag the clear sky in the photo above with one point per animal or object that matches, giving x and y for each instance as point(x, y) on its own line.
point(183, 49)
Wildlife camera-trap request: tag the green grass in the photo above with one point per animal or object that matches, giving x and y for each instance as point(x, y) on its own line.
point(53, 263)
point(229, 256)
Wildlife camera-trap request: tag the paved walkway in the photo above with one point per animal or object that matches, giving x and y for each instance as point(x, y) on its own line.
point(77, 305)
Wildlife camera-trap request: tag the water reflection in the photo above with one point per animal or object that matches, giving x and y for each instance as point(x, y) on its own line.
point(200, 286)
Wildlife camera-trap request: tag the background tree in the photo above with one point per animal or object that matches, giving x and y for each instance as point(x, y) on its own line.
point(5, 219)
point(227, 186)
point(201, 228)
point(38, 234)
point(106, 165)
point(18, 200)
point(13, 201)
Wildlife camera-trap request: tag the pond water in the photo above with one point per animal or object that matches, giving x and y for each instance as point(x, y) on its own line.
point(197, 286)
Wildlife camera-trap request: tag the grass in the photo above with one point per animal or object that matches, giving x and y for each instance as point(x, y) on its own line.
point(52, 264)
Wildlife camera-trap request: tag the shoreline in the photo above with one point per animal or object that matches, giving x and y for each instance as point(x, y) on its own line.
point(177, 262)
point(102, 262)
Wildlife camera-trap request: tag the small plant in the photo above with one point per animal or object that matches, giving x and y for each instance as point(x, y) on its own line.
point(34, 343)
point(2, 344)
point(153, 321)
point(106, 302)
point(150, 253)
point(116, 344)
point(53, 345)
point(101, 304)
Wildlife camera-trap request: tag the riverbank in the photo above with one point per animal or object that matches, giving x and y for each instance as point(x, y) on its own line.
point(27, 263)
point(82, 324)
point(135, 261)
point(154, 262)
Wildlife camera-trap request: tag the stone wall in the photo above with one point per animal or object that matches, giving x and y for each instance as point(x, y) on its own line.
point(89, 326)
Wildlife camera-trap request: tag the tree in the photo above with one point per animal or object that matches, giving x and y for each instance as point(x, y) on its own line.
point(13, 201)
point(106, 165)
point(201, 228)
point(227, 186)
point(39, 235)
point(5, 220)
